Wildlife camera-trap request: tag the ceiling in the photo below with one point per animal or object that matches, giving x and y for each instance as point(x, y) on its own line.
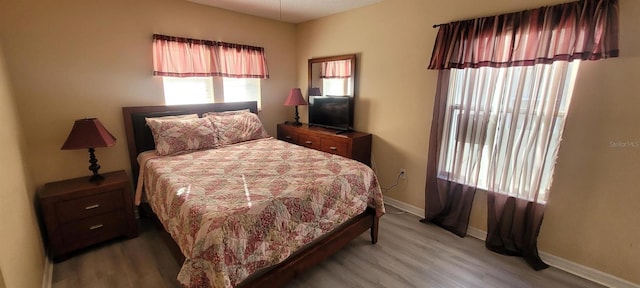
point(292, 11)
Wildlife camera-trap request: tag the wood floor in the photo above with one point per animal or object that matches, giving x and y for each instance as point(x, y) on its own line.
point(408, 254)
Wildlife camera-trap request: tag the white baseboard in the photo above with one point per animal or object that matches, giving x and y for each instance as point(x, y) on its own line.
point(404, 207)
point(477, 233)
point(586, 272)
point(580, 270)
point(47, 275)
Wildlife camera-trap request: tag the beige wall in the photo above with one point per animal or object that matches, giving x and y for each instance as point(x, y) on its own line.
point(73, 59)
point(594, 200)
point(21, 253)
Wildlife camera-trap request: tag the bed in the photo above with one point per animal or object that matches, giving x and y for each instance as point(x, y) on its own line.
point(267, 167)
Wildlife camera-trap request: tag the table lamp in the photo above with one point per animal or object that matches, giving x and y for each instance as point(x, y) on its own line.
point(89, 134)
point(295, 98)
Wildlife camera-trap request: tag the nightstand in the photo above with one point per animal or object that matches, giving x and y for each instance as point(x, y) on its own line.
point(78, 213)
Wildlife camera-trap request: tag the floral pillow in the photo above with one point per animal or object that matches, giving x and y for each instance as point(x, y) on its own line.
point(233, 112)
point(174, 117)
point(236, 126)
point(179, 135)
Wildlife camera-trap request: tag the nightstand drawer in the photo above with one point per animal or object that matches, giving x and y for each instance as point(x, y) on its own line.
point(289, 137)
point(334, 147)
point(84, 207)
point(91, 230)
point(310, 141)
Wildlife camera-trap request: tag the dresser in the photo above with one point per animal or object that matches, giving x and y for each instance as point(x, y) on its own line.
point(351, 144)
point(78, 213)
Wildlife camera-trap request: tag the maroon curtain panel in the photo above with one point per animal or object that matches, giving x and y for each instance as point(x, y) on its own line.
point(447, 203)
point(514, 225)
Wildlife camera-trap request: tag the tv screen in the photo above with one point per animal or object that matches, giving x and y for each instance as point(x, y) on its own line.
point(331, 112)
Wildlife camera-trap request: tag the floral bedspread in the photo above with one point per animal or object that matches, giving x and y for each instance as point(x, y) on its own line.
point(240, 208)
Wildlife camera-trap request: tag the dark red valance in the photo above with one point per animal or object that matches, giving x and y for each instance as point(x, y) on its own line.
point(584, 30)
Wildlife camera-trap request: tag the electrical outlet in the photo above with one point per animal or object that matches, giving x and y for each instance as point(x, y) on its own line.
point(403, 173)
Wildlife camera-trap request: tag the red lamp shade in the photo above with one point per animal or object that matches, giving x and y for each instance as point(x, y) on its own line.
point(295, 98)
point(88, 133)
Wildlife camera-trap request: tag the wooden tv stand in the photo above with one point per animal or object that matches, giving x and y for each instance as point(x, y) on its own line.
point(351, 144)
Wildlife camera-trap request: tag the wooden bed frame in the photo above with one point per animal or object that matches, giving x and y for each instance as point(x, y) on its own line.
point(140, 139)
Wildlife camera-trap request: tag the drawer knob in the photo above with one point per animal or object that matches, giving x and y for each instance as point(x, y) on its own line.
point(287, 137)
point(92, 207)
point(333, 148)
point(94, 227)
point(308, 142)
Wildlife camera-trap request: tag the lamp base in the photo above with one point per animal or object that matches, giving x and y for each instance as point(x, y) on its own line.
point(96, 177)
point(94, 167)
point(291, 123)
point(297, 118)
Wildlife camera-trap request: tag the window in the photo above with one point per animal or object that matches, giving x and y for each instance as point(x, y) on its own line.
point(241, 89)
point(197, 90)
point(497, 124)
point(191, 90)
point(336, 86)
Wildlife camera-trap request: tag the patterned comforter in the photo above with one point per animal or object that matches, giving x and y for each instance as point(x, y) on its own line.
point(244, 207)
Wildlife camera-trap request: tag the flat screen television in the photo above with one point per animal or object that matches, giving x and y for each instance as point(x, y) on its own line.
point(334, 112)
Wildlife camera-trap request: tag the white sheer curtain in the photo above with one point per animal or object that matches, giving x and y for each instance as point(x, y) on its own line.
point(503, 127)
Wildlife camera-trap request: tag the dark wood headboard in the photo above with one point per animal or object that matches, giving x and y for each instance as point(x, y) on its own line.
point(139, 137)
